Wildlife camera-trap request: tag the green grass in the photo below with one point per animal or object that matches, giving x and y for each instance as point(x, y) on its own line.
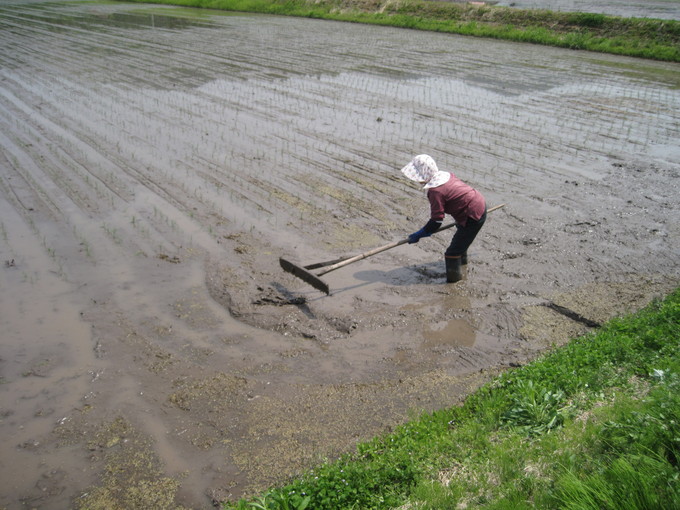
point(637, 37)
point(592, 425)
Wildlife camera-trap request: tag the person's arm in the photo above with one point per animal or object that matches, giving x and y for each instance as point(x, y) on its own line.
point(430, 228)
point(436, 217)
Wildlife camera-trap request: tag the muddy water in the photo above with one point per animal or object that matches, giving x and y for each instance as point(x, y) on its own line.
point(156, 162)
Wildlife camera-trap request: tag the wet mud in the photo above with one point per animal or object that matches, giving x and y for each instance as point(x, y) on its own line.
point(155, 163)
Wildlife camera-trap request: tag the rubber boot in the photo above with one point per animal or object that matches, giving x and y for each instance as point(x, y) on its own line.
point(453, 269)
point(463, 259)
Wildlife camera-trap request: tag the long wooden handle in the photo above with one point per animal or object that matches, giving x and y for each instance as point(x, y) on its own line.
point(381, 249)
point(361, 256)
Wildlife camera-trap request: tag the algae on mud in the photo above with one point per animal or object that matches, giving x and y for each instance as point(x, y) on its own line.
point(134, 475)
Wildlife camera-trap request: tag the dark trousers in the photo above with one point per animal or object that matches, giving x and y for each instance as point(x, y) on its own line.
point(464, 236)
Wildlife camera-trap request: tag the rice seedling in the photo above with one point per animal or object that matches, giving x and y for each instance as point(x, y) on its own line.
point(112, 232)
point(84, 243)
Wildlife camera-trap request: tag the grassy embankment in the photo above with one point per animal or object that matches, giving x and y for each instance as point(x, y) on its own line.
point(637, 37)
point(592, 425)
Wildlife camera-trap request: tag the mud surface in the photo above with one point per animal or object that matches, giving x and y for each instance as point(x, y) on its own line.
point(155, 163)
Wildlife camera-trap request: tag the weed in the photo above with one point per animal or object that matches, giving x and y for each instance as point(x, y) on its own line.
point(586, 19)
point(631, 482)
point(535, 409)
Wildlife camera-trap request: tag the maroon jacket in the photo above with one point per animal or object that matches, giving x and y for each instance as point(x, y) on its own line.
point(456, 198)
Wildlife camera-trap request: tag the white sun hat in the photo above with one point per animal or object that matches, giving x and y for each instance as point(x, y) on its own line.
point(422, 168)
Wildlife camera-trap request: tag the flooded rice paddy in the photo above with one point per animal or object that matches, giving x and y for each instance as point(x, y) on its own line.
point(156, 162)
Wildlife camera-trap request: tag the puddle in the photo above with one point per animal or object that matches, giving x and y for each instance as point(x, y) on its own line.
point(453, 333)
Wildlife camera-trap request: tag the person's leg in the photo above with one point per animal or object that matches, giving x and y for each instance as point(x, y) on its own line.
point(456, 253)
point(453, 269)
point(464, 236)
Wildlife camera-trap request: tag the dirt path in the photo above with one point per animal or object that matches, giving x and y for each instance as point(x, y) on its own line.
point(154, 165)
point(659, 9)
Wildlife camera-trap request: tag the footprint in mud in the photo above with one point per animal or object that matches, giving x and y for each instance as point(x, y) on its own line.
point(453, 333)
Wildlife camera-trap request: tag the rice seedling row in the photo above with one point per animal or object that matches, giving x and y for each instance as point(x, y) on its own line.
point(321, 98)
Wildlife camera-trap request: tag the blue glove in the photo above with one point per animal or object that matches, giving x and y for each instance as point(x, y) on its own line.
point(415, 237)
